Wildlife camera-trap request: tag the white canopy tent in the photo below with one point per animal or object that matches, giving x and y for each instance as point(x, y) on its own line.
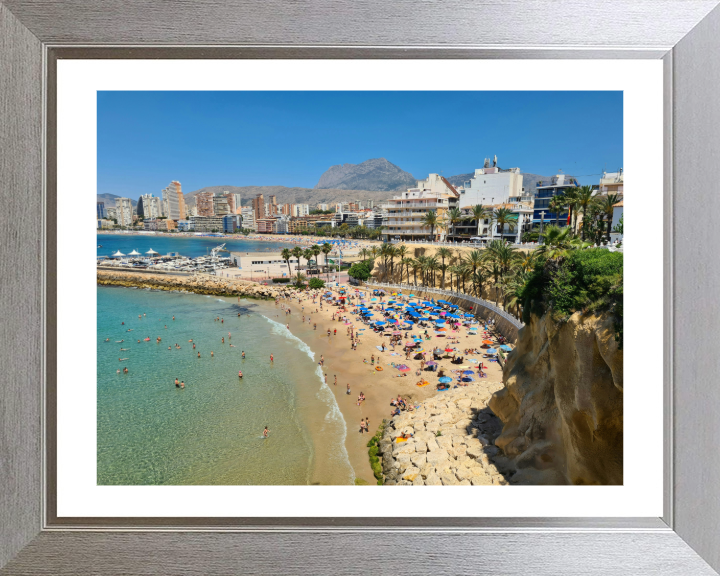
point(118, 254)
point(134, 253)
point(151, 252)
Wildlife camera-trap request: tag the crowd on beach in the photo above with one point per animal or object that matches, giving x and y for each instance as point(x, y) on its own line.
point(399, 317)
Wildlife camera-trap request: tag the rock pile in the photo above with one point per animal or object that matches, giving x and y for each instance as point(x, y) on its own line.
point(198, 284)
point(452, 442)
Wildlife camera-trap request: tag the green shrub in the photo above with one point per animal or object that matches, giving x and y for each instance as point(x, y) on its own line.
point(316, 283)
point(280, 280)
point(373, 450)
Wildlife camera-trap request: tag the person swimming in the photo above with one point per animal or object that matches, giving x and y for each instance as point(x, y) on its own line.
point(121, 359)
point(243, 354)
point(240, 374)
point(266, 432)
point(124, 349)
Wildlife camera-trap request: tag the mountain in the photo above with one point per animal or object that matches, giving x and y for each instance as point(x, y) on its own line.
point(109, 200)
point(285, 195)
point(376, 174)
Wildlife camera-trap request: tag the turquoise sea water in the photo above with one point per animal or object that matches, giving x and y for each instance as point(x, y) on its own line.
point(190, 246)
point(150, 432)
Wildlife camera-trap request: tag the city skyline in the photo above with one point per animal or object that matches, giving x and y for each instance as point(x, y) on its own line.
point(146, 139)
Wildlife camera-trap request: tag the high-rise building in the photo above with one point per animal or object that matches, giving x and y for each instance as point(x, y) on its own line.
point(149, 206)
point(204, 204)
point(258, 206)
point(237, 203)
point(124, 211)
point(174, 203)
point(248, 218)
point(221, 204)
point(101, 210)
point(299, 210)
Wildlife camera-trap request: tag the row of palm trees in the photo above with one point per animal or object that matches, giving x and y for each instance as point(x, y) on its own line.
point(597, 212)
point(310, 253)
point(501, 217)
point(500, 270)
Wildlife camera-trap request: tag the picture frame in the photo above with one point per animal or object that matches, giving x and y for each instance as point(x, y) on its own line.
point(33, 540)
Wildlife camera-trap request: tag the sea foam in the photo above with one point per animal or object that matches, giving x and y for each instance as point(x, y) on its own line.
point(325, 394)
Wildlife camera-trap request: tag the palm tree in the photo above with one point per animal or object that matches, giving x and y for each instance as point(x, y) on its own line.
point(584, 198)
point(502, 217)
point(308, 255)
point(374, 251)
point(433, 266)
point(326, 249)
point(364, 252)
point(556, 242)
point(454, 215)
point(416, 265)
point(297, 252)
point(406, 262)
point(443, 253)
point(479, 213)
point(286, 256)
point(505, 256)
point(570, 200)
point(556, 206)
point(606, 205)
point(392, 253)
point(473, 261)
point(430, 220)
point(316, 250)
point(300, 278)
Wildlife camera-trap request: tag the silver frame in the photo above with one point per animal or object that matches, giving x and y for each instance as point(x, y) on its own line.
point(33, 540)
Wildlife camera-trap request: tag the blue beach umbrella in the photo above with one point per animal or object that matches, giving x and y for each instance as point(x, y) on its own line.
point(380, 323)
point(492, 351)
point(445, 380)
point(443, 302)
point(470, 372)
point(506, 348)
point(468, 379)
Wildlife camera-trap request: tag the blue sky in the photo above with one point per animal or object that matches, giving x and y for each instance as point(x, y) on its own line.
point(147, 139)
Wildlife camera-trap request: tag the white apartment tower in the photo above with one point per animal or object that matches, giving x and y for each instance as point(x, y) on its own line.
point(124, 211)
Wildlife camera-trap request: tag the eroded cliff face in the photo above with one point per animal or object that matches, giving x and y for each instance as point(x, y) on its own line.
point(562, 403)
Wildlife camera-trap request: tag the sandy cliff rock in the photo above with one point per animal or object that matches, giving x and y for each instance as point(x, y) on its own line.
point(562, 404)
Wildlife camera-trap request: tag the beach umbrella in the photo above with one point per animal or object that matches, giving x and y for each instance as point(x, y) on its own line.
point(454, 316)
point(409, 322)
point(412, 296)
point(488, 342)
point(380, 323)
point(396, 333)
point(492, 351)
point(440, 329)
point(448, 349)
point(151, 251)
point(118, 254)
point(445, 380)
point(409, 344)
point(468, 379)
point(443, 302)
point(373, 300)
point(468, 316)
point(506, 348)
point(134, 253)
point(393, 321)
point(468, 372)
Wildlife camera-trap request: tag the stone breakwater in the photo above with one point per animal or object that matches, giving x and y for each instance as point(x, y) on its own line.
point(199, 284)
point(452, 442)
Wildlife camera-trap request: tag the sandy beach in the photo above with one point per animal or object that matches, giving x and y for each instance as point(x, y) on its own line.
point(379, 387)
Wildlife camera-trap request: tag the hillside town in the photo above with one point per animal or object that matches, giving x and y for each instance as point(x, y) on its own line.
point(493, 204)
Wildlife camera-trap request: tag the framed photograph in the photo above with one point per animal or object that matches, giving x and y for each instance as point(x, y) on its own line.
point(350, 302)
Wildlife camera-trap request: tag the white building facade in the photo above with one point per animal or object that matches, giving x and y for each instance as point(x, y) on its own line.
point(491, 186)
point(124, 211)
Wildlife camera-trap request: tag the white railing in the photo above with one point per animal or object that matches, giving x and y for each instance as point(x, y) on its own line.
point(467, 297)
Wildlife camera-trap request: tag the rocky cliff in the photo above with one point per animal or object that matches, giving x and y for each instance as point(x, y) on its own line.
point(562, 403)
point(375, 174)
